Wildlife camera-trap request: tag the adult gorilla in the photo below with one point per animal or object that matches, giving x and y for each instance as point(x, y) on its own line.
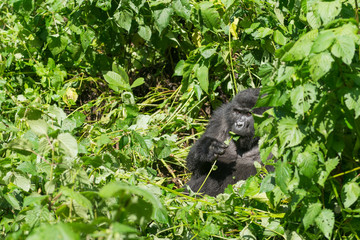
point(235, 161)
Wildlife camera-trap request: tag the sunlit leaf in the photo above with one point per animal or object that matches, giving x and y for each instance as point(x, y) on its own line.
point(311, 213)
point(325, 221)
point(68, 144)
point(203, 77)
point(350, 193)
point(301, 48)
point(162, 18)
point(290, 132)
point(58, 231)
point(320, 64)
point(182, 8)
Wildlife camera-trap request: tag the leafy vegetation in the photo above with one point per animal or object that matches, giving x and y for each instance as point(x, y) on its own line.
point(102, 99)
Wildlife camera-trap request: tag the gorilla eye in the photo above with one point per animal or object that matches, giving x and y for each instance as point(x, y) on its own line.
point(248, 114)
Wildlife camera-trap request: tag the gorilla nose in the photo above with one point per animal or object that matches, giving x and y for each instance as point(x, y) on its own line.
point(239, 124)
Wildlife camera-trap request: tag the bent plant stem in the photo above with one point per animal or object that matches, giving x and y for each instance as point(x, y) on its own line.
point(207, 176)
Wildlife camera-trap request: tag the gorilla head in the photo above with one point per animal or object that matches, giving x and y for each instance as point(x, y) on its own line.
point(235, 161)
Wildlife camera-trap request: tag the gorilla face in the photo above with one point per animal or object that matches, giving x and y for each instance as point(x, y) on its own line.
point(242, 122)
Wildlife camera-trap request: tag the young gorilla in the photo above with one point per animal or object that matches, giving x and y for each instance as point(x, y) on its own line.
point(235, 161)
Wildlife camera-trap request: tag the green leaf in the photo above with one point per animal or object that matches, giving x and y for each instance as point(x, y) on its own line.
point(313, 19)
point(142, 143)
point(301, 48)
point(122, 228)
point(307, 162)
point(279, 15)
point(57, 113)
point(162, 18)
point(57, 44)
point(289, 132)
point(202, 75)
point(302, 97)
point(117, 81)
point(182, 8)
point(330, 165)
point(350, 193)
point(145, 32)
point(12, 201)
point(124, 19)
point(325, 221)
point(179, 68)
point(323, 41)
point(267, 184)
point(22, 182)
point(21, 145)
point(279, 38)
point(282, 175)
point(262, 32)
point(210, 16)
point(35, 198)
point(86, 38)
point(328, 10)
point(39, 127)
point(112, 189)
point(320, 64)
point(138, 82)
point(344, 48)
point(352, 100)
point(58, 231)
point(207, 52)
point(311, 213)
point(68, 144)
point(78, 197)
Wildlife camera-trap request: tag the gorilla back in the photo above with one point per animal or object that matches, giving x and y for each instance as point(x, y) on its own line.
point(234, 161)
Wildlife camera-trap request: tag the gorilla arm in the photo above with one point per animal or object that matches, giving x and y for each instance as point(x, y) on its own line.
point(211, 144)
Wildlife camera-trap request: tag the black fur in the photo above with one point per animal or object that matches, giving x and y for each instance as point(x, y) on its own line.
point(234, 161)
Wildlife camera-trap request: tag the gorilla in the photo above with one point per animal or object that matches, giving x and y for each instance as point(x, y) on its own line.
point(234, 160)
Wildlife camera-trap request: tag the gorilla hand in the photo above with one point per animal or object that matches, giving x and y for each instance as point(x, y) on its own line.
point(216, 148)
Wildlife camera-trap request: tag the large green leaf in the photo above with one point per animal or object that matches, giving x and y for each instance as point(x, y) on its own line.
point(311, 213)
point(124, 19)
point(350, 193)
point(323, 41)
point(203, 77)
point(328, 10)
point(283, 174)
point(68, 144)
point(117, 81)
point(57, 44)
point(78, 197)
point(145, 32)
point(86, 37)
point(320, 64)
point(307, 163)
point(39, 127)
point(112, 189)
point(289, 132)
point(352, 100)
point(279, 38)
point(325, 221)
point(301, 48)
point(344, 48)
point(302, 97)
point(162, 18)
point(210, 16)
point(182, 8)
point(58, 231)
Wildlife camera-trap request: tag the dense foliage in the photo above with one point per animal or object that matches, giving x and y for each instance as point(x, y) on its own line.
point(101, 99)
